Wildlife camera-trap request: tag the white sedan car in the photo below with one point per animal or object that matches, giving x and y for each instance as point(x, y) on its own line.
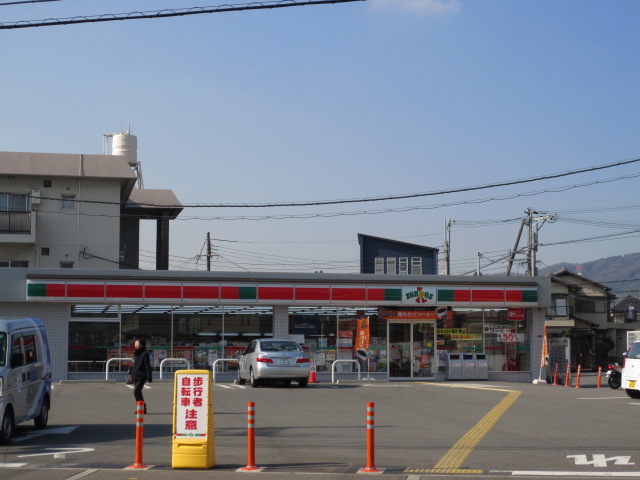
point(273, 359)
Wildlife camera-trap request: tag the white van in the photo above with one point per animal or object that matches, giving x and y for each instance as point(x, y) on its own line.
point(25, 374)
point(631, 371)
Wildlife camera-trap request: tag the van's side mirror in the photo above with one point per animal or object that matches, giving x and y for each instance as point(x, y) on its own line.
point(17, 360)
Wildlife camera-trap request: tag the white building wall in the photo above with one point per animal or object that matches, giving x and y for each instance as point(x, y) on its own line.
point(80, 235)
point(280, 321)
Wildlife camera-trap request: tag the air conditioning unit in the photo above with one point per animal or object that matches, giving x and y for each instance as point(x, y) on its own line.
point(35, 198)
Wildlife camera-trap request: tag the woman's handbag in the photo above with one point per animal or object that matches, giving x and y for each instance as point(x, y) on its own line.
point(129, 376)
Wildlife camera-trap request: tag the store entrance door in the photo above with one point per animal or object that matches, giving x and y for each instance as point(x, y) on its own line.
point(412, 350)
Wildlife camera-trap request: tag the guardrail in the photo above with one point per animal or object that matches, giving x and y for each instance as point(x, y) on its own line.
point(221, 360)
point(173, 360)
point(333, 368)
point(106, 374)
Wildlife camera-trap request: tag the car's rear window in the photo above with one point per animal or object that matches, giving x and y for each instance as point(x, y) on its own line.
point(634, 351)
point(273, 346)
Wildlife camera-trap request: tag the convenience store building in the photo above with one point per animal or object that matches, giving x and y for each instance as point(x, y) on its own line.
point(414, 321)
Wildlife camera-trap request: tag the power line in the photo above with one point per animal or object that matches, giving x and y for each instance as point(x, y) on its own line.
point(387, 198)
point(20, 2)
point(165, 13)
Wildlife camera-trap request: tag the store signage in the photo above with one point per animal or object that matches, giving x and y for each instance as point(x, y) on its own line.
point(192, 404)
point(511, 337)
point(468, 336)
point(497, 329)
point(515, 314)
point(419, 295)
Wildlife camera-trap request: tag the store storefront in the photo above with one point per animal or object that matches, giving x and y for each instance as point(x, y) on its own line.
point(387, 327)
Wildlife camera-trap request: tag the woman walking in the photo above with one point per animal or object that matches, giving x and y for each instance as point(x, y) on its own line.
point(141, 370)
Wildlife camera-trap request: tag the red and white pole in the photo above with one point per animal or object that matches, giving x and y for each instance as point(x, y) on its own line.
point(578, 377)
point(251, 438)
point(555, 375)
point(370, 440)
point(139, 435)
point(599, 376)
point(567, 377)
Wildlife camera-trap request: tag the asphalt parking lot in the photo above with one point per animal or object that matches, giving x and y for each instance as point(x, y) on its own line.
point(422, 429)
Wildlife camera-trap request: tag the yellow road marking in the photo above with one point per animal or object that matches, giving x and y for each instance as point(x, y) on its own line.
point(456, 456)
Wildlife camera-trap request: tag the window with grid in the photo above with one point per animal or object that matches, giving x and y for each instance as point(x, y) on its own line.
point(68, 202)
point(391, 266)
point(404, 265)
point(379, 266)
point(416, 265)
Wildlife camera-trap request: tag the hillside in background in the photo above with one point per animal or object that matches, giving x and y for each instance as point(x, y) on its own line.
point(621, 273)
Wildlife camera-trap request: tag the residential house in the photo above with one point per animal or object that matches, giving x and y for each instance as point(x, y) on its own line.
point(579, 320)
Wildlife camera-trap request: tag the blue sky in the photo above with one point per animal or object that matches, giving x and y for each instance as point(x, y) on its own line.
point(357, 100)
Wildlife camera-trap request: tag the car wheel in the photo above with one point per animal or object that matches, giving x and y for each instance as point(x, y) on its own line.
point(42, 419)
point(633, 393)
point(7, 427)
point(240, 379)
point(303, 382)
point(254, 381)
point(614, 382)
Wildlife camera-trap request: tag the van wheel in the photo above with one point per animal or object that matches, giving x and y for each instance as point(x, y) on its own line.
point(633, 393)
point(7, 427)
point(253, 379)
point(42, 419)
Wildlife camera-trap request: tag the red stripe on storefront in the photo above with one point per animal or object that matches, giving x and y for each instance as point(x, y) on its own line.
point(313, 293)
point(514, 296)
point(462, 296)
point(124, 291)
point(275, 293)
point(84, 291)
point(162, 291)
point(349, 294)
point(229, 293)
point(375, 294)
point(201, 292)
point(487, 295)
point(56, 290)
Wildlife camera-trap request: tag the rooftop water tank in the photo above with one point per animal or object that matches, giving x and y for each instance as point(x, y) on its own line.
point(126, 144)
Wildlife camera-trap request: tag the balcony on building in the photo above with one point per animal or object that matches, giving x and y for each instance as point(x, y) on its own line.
point(17, 227)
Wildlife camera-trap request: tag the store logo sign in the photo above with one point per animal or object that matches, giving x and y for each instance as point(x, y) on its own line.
point(418, 295)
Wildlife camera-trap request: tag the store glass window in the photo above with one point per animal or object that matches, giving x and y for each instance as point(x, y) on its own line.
point(489, 331)
point(332, 335)
point(200, 335)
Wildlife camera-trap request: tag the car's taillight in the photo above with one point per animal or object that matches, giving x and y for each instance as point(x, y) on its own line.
point(302, 360)
point(264, 360)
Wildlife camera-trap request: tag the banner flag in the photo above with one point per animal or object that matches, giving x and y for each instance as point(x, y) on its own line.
point(362, 335)
point(545, 349)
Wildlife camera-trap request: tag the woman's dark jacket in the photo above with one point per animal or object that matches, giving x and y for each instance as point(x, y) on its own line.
point(141, 365)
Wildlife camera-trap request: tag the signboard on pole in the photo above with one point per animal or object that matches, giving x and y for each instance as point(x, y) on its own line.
point(193, 436)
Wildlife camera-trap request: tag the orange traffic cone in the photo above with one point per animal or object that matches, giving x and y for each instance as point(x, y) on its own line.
point(312, 375)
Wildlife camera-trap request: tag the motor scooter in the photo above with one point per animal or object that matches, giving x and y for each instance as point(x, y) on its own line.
point(614, 375)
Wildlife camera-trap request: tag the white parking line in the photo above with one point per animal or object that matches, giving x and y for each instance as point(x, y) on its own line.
point(535, 473)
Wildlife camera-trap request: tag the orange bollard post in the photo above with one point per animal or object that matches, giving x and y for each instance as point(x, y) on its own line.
point(599, 376)
point(555, 375)
point(139, 435)
point(370, 468)
point(578, 377)
point(312, 374)
point(251, 439)
point(567, 377)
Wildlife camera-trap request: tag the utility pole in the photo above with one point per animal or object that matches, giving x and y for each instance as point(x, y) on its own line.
point(532, 240)
point(208, 251)
point(447, 246)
